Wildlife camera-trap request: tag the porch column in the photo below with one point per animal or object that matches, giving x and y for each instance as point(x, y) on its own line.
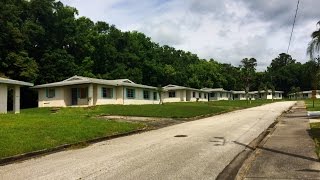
point(3, 98)
point(90, 95)
point(16, 99)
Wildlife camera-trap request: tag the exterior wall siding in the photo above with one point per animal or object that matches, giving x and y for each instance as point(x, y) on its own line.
point(3, 98)
point(57, 101)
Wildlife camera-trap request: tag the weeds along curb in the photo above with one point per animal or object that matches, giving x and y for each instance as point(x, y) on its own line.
point(34, 154)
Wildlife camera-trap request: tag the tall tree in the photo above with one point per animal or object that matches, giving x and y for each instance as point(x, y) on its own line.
point(248, 68)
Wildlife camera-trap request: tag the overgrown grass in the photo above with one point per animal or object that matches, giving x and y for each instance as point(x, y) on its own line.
point(315, 133)
point(39, 128)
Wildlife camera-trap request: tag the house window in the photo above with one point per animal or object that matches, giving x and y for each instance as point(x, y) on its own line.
point(205, 95)
point(107, 92)
point(236, 96)
point(50, 92)
point(155, 96)
point(146, 94)
point(211, 94)
point(221, 95)
point(83, 93)
point(130, 93)
point(200, 95)
point(194, 94)
point(172, 94)
point(279, 95)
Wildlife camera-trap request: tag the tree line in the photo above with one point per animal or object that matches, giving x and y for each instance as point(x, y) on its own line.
point(44, 41)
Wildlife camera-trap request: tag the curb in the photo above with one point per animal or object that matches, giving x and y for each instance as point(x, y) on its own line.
point(33, 154)
point(238, 167)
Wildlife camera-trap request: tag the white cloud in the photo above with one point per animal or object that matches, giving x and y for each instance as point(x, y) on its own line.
point(227, 31)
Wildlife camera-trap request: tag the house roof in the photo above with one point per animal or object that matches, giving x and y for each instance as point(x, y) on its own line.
point(176, 87)
point(263, 91)
point(14, 82)
point(74, 80)
point(238, 92)
point(214, 90)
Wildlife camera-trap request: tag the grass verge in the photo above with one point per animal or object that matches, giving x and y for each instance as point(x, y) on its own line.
point(315, 133)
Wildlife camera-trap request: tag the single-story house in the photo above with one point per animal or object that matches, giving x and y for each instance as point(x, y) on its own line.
point(217, 94)
point(84, 91)
point(5, 86)
point(268, 95)
point(304, 95)
point(239, 95)
point(175, 93)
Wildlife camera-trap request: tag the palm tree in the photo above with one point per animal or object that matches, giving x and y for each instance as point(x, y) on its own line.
point(314, 45)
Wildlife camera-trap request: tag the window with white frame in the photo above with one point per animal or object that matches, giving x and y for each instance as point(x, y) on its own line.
point(130, 93)
point(205, 95)
point(50, 92)
point(107, 92)
point(200, 95)
point(146, 94)
point(172, 94)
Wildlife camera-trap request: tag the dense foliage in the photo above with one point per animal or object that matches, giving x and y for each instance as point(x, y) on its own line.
point(43, 41)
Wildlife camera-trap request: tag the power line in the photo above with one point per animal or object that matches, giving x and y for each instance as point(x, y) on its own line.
point(294, 22)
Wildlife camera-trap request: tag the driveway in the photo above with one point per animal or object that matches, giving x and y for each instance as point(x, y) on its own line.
point(205, 151)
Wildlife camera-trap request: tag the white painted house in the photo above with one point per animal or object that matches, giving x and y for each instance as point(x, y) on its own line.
point(175, 93)
point(217, 94)
point(84, 91)
point(269, 95)
point(304, 95)
point(238, 95)
point(5, 86)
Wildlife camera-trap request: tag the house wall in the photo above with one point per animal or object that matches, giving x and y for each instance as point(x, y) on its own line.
point(3, 98)
point(57, 101)
point(277, 96)
point(179, 94)
point(240, 97)
point(219, 96)
point(197, 96)
point(139, 97)
point(101, 100)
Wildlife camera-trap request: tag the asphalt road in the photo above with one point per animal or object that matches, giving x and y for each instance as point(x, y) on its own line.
point(203, 154)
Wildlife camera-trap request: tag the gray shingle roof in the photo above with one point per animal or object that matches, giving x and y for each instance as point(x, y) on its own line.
point(14, 82)
point(176, 87)
point(85, 80)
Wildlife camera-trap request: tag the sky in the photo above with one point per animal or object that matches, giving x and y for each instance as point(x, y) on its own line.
point(225, 30)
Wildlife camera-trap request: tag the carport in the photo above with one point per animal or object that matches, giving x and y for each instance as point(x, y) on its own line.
point(5, 85)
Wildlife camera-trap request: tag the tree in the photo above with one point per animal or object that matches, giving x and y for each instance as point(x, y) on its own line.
point(314, 45)
point(248, 68)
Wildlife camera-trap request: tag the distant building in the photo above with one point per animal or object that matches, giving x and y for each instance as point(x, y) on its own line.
point(175, 93)
point(217, 94)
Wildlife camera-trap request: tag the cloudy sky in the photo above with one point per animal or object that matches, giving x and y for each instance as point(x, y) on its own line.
point(226, 31)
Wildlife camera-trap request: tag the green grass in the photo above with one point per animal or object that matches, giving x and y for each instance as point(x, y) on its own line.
point(309, 104)
point(39, 128)
point(315, 133)
point(36, 129)
point(167, 110)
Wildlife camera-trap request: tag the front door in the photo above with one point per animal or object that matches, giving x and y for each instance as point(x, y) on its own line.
point(74, 96)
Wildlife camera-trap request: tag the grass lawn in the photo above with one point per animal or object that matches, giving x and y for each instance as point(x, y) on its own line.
point(315, 133)
point(315, 127)
point(39, 128)
point(309, 104)
point(168, 110)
